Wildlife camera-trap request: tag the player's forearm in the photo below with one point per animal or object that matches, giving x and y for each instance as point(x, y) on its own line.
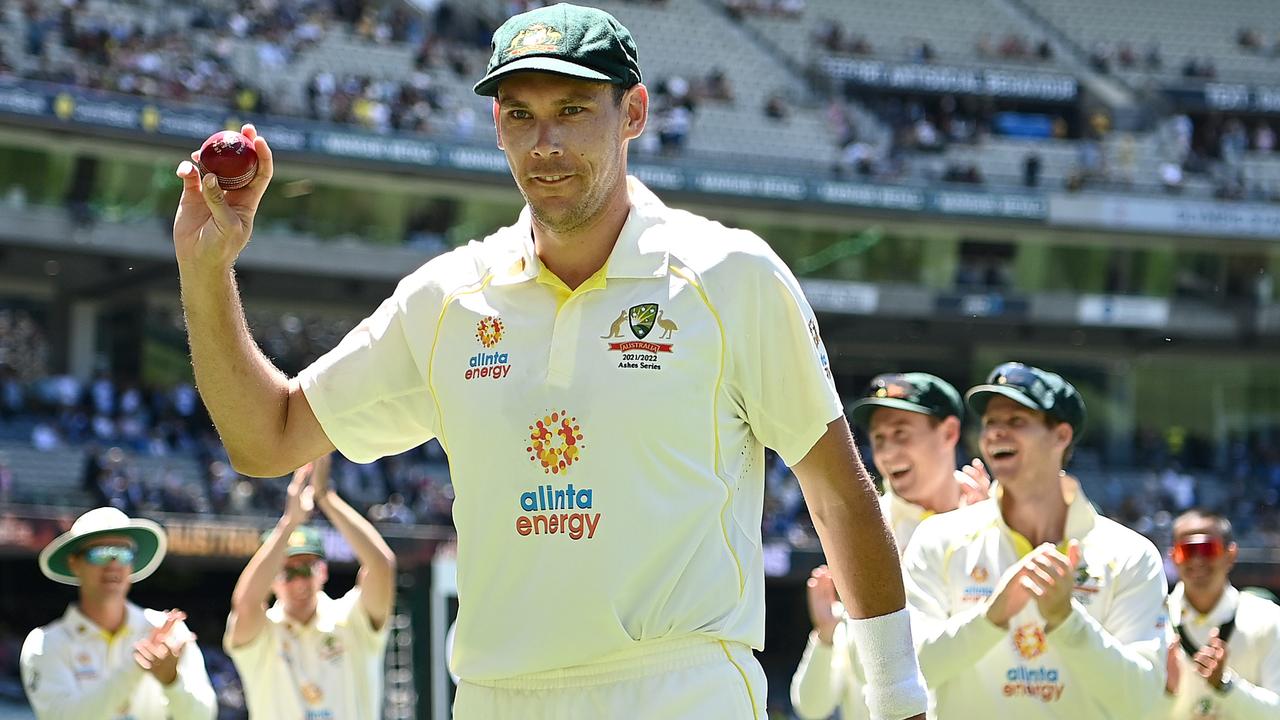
point(376, 558)
point(1247, 701)
point(191, 697)
point(247, 397)
point(815, 690)
point(949, 648)
point(859, 547)
point(254, 584)
point(1107, 667)
point(373, 552)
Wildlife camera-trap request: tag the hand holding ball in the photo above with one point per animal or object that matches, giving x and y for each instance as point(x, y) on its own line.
point(231, 158)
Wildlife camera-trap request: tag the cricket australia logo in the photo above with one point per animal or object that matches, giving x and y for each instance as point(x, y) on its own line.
point(641, 320)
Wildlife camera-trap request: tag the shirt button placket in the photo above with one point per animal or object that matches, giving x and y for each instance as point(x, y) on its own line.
point(564, 343)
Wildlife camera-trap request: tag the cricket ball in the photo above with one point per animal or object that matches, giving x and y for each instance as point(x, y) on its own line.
point(231, 158)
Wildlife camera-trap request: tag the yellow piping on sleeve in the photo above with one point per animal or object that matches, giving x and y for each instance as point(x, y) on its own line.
point(435, 342)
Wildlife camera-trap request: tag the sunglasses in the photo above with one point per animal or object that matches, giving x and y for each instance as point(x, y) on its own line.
point(1022, 377)
point(1207, 547)
point(104, 554)
point(292, 572)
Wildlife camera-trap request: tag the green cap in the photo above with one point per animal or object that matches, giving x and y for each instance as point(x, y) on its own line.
point(305, 540)
point(1034, 388)
point(914, 392)
point(563, 39)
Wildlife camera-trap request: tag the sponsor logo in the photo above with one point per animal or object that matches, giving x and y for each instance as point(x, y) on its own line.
point(1029, 641)
point(330, 648)
point(555, 442)
point(543, 512)
point(84, 669)
point(1086, 584)
point(641, 320)
point(495, 365)
point(978, 591)
point(489, 331)
point(1041, 683)
point(979, 574)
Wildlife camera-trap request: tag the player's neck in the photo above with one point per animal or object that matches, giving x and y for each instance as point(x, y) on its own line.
point(302, 614)
point(1036, 510)
point(578, 254)
point(107, 613)
point(1203, 601)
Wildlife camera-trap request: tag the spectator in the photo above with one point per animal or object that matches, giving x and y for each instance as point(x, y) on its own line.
point(1031, 170)
point(775, 108)
point(1264, 138)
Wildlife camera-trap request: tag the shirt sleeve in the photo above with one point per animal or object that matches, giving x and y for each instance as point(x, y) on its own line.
point(1121, 657)
point(1260, 700)
point(818, 685)
point(52, 688)
point(191, 696)
point(373, 640)
point(947, 643)
point(250, 657)
point(778, 366)
point(371, 393)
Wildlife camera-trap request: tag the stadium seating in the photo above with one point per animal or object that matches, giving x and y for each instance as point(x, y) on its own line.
point(1183, 29)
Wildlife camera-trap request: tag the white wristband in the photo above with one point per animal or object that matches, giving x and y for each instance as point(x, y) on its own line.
point(895, 689)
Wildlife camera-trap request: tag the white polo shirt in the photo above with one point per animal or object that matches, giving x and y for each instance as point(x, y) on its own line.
point(605, 444)
point(1253, 654)
point(1105, 661)
point(328, 669)
point(71, 668)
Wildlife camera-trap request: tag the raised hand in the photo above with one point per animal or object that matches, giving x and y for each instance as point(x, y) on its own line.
point(1010, 595)
point(160, 651)
point(1173, 675)
point(320, 476)
point(821, 591)
point(974, 481)
point(213, 226)
point(1211, 660)
point(300, 497)
point(1050, 578)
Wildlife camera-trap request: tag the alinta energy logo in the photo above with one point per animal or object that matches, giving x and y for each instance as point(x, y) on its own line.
point(494, 365)
point(1041, 682)
point(555, 442)
point(557, 511)
point(640, 353)
point(978, 590)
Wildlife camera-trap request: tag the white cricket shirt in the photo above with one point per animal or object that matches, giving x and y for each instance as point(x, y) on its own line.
point(72, 668)
point(328, 669)
point(1104, 662)
point(605, 444)
point(1253, 655)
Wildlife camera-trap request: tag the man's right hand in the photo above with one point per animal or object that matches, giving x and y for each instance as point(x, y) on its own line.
point(300, 499)
point(212, 227)
point(1010, 595)
point(821, 589)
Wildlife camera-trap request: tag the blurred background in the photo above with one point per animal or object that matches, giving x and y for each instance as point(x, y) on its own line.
point(1093, 187)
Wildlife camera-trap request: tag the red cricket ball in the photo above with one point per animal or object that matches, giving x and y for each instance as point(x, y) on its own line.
point(231, 158)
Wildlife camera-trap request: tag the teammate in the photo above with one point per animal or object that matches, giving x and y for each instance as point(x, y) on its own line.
point(310, 655)
point(604, 375)
point(913, 421)
point(106, 658)
point(1031, 604)
point(1224, 658)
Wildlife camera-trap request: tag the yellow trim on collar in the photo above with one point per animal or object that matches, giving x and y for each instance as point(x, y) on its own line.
point(598, 281)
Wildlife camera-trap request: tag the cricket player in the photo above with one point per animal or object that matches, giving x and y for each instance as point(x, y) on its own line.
point(1224, 657)
point(1031, 604)
point(604, 375)
point(913, 421)
point(106, 658)
point(310, 656)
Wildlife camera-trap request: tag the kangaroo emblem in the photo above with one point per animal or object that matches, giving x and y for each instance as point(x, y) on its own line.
point(667, 326)
point(615, 330)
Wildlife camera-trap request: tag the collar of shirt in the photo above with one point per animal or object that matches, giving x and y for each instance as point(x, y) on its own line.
point(636, 254)
point(277, 614)
point(1081, 517)
point(83, 627)
point(1221, 613)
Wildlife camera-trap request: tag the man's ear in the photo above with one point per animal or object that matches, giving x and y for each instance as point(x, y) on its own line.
point(635, 108)
point(497, 128)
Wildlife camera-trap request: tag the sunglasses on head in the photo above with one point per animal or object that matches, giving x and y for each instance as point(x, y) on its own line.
point(104, 554)
point(1208, 547)
point(292, 572)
